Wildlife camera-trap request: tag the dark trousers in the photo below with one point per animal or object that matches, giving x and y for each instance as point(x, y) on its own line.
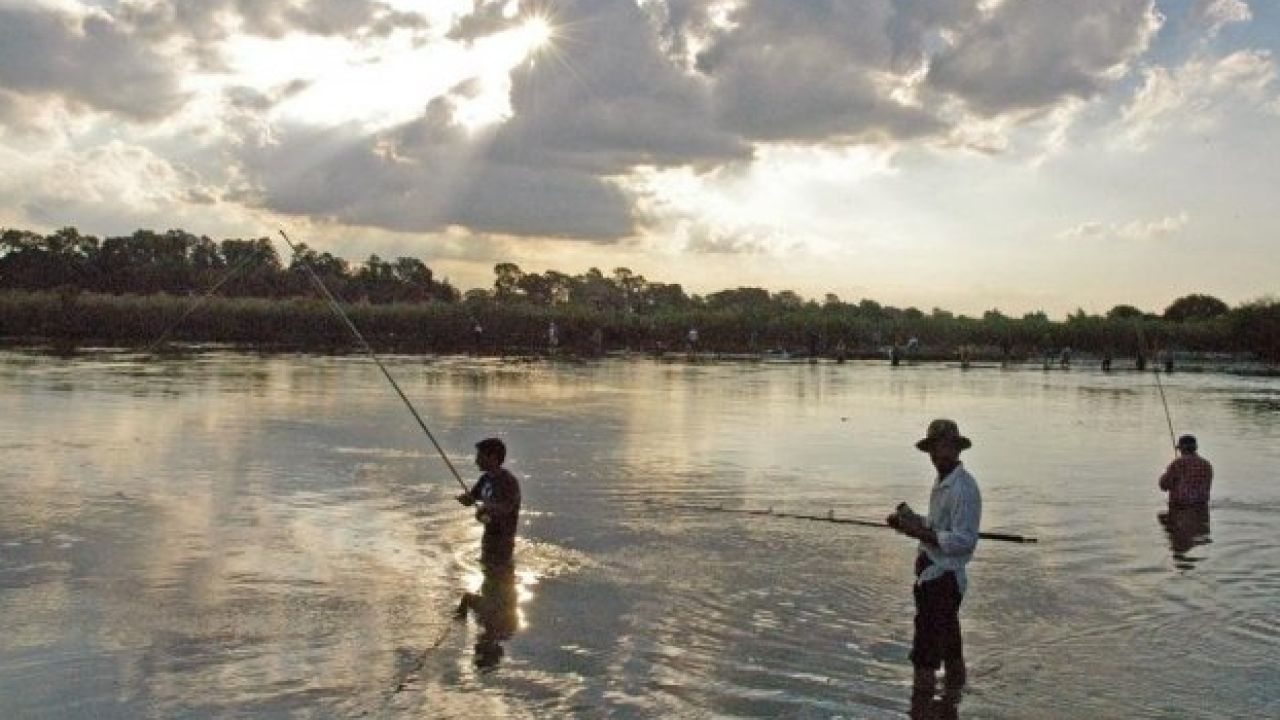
point(937, 638)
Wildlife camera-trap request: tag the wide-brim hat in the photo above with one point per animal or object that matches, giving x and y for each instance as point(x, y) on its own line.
point(943, 429)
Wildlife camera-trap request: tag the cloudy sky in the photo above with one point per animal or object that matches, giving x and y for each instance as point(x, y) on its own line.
point(967, 154)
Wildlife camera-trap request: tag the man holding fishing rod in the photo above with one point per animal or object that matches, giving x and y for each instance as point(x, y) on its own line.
point(948, 536)
point(497, 494)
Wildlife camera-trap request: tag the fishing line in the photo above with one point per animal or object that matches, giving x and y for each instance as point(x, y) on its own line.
point(244, 261)
point(333, 303)
point(1160, 386)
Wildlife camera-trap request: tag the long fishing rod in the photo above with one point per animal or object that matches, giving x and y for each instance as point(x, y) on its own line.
point(831, 518)
point(243, 262)
point(337, 309)
point(1160, 386)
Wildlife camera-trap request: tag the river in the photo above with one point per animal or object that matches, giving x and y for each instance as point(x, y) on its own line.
point(226, 534)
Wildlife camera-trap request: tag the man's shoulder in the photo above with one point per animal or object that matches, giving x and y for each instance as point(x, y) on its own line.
point(504, 475)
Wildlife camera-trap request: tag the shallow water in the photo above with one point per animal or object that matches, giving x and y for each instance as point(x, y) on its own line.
point(229, 535)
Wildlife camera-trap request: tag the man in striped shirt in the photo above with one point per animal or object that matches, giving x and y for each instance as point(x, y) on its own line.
point(1188, 478)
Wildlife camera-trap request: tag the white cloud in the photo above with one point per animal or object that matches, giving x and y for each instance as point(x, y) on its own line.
point(1134, 230)
point(1199, 94)
point(1216, 14)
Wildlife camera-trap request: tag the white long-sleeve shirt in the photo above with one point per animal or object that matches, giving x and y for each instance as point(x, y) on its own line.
point(955, 513)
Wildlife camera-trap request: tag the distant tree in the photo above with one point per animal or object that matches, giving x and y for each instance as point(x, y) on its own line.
point(742, 298)
point(1124, 312)
point(788, 300)
point(506, 281)
point(1195, 307)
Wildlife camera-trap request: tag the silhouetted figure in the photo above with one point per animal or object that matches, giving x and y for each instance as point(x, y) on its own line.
point(813, 346)
point(495, 609)
point(1189, 477)
point(477, 337)
point(895, 355)
point(1106, 360)
point(597, 342)
point(553, 337)
point(964, 357)
point(948, 537)
point(1140, 361)
point(691, 340)
point(842, 352)
point(1064, 359)
point(497, 497)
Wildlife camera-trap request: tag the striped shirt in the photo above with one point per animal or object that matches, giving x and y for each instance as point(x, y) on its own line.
point(1187, 480)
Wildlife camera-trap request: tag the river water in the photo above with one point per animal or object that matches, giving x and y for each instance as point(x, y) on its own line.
point(233, 535)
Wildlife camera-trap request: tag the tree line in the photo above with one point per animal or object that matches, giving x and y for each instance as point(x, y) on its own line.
point(593, 310)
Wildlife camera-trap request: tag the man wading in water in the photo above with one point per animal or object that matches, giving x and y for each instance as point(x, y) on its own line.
point(498, 494)
point(947, 538)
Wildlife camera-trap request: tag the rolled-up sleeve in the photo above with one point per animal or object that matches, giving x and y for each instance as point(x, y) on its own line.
point(966, 517)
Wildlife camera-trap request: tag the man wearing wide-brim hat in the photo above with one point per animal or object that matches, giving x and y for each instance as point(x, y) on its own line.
point(947, 538)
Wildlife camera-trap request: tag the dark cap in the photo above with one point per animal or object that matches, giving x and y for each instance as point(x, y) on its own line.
point(1187, 442)
point(943, 429)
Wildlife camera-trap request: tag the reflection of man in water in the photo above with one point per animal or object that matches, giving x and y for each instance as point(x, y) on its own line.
point(495, 610)
point(947, 538)
point(1188, 526)
point(1188, 478)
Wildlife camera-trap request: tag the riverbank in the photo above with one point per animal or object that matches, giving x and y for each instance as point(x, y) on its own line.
point(157, 322)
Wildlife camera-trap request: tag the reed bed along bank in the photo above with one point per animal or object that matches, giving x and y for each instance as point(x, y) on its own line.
point(513, 328)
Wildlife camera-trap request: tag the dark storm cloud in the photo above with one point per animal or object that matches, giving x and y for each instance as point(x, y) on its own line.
point(609, 102)
point(90, 61)
point(1033, 54)
point(428, 176)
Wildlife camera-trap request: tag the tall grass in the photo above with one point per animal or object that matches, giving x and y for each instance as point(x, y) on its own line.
point(137, 321)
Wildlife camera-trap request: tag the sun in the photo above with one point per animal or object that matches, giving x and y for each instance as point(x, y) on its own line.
point(536, 33)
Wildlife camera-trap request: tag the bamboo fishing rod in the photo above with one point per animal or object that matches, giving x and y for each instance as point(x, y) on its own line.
point(364, 344)
point(831, 518)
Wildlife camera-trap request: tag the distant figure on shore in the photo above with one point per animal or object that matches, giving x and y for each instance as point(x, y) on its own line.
point(1189, 477)
point(895, 354)
point(948, 537)
point(1166, 359)
point(964, 357)
point(1140, 360)
point(842, 352)
point(597, 342)
point(1064, 359)
point(1048, 358)
point(691, 340)
point(813, 346)
point(553, 336)
point(1106, 360)
point(477, 336)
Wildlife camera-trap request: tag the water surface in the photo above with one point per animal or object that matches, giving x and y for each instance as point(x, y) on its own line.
point(232, 535)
